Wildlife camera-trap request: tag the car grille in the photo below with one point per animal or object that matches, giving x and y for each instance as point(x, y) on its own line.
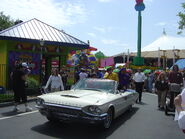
point(69, 111)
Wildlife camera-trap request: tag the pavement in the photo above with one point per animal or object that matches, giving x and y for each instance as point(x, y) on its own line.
point(29, 98)
point(145, 121)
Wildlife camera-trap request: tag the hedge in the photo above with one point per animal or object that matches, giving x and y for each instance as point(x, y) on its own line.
point(6, 97)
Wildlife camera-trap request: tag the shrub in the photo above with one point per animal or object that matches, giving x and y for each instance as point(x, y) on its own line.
point(32, 83)
point(32, 87)
point(6, 97)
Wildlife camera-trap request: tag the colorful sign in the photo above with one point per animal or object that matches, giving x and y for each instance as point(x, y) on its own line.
point(32, 59)
point(81, 58)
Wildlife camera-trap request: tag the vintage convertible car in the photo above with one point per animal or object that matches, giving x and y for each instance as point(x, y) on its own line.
point(90, 100)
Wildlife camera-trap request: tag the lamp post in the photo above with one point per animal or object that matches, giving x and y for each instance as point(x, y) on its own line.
point(164, 59)
point(175, 54)
point(41, 57)
point(128, 57)
point(159, 58)
point(123, 57)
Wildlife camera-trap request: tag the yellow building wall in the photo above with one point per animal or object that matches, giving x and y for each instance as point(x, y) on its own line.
point(3, 63)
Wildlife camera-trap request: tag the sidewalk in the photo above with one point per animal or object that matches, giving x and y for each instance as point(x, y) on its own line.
point(5, 104)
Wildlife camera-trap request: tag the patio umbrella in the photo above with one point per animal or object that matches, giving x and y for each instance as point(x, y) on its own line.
point(116, 70)
point(147, 71)
point(107, 67)
point(129, 71)
point(158, 72)
point(92, 48)
point(180, 63)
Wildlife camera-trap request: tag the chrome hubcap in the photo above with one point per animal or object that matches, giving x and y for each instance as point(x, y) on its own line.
point(108, 120)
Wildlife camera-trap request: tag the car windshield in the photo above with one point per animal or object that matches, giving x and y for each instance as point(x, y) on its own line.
point(96, 84)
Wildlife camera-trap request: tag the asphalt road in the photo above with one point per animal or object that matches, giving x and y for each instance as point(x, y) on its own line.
point(145, 121)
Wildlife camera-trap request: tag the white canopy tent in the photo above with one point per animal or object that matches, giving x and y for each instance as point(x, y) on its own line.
point(167, 45)
point(166, 42)
point(168, 53)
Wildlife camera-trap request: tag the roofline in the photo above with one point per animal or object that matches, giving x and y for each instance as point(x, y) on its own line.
point(58, 30)
point(15, 26)
point(62, 44)
point(43, 23)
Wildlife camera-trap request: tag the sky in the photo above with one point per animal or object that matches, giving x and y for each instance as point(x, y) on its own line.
point(109, 25)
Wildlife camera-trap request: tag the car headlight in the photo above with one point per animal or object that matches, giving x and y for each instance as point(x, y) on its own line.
point(39, 101)
point(92, 110)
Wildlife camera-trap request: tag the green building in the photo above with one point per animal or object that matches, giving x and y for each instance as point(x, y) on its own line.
point(35, 43)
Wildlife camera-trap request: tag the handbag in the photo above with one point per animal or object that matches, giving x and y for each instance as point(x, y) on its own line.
point(174, 87)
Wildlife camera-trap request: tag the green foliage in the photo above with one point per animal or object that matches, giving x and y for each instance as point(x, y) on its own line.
point(32, 83)
point(182, 19)
point(6, 21)
point(6, 97)
point(100, 55)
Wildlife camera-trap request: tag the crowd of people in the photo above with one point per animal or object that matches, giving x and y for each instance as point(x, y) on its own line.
point(164, 84)
point(160, 82)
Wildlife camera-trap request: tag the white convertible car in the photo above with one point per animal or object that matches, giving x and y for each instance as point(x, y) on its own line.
point(90, 100)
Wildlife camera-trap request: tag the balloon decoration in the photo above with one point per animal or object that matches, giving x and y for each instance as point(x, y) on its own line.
point(81, 58)
point(92, 59)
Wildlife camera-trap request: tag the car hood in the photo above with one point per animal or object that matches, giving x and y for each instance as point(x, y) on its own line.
point(77, 98)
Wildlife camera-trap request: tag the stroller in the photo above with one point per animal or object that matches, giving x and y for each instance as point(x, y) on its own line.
point(174, 90)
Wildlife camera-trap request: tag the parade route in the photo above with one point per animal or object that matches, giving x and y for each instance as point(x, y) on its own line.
point(145, 121)
point(18, 115)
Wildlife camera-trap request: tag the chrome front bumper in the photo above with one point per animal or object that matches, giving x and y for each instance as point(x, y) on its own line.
point(69, 113)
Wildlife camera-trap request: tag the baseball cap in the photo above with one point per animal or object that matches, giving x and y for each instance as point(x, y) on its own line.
point(25, 65)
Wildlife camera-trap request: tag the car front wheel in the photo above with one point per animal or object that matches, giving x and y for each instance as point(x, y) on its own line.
point(107, 122)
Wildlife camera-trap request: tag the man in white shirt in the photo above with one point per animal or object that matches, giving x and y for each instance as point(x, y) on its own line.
point(139, 79)
point(82, 74)
point(180, 110)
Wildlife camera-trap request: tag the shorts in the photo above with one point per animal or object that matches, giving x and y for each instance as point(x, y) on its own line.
point(19, 95)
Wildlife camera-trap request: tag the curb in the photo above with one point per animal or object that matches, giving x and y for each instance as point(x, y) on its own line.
point(5, 104)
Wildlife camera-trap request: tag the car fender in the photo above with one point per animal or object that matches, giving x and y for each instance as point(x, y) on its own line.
point(113, 107)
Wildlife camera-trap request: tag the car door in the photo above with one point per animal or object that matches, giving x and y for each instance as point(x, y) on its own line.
point(129, 98)
point(120, 103)
point(125, 101)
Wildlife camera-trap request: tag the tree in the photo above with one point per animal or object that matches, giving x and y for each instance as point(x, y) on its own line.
point(100, 55)
point(6, 21)
point(182, 19)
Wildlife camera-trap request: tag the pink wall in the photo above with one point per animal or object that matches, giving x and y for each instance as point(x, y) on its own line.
point(107, 62)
